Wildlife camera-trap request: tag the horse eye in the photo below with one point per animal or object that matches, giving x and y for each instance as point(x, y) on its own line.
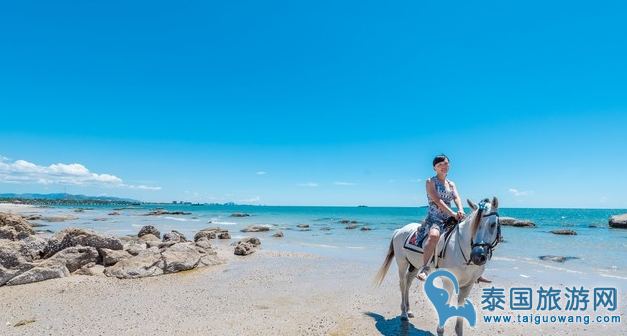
point(493, 225)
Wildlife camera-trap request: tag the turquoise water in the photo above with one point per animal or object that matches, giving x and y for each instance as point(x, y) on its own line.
point(598, 249)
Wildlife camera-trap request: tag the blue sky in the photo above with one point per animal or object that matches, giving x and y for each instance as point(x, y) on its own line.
point(315, 103)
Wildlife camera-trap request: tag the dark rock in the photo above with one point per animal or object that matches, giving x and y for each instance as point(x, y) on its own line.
point(160, 212)
point(510, 221)
point(240, 215)
point(559, 259)
point(256, 228)
point(564, 232)
point(350, 227)
point(302, 226)
point(243, 249)
point(203, 234)
point(174, 236)
point(59, 218)
point(254, 241)
point(32, 217)
point(224, 235)
point(149, 229)
point(366, 228)
point(618, 221)
point(115, 213)
point(345, 221)
point(278, 234)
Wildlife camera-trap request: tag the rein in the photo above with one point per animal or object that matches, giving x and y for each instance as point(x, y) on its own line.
point(489, 246)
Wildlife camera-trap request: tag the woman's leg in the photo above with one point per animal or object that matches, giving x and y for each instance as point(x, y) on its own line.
point(429, 247)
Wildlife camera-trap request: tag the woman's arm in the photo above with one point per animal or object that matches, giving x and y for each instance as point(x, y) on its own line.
point(458, 202)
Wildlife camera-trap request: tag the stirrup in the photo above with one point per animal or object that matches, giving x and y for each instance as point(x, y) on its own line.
point(425, 270)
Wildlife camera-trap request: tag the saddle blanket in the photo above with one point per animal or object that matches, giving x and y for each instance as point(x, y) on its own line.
point(413, 242)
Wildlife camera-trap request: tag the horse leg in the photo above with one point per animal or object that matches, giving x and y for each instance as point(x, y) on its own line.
point(461, 299)
point(408, 280)
point(403, 266)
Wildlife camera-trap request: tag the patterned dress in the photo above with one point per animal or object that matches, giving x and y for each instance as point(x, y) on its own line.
point(436, 217)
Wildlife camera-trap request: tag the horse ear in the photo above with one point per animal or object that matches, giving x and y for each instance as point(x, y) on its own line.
point(495, 203)
point(471, 204)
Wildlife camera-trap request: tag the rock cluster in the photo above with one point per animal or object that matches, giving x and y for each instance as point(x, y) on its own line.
point(26, 257)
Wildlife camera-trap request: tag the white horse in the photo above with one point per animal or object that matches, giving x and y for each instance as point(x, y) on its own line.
point(464, 254)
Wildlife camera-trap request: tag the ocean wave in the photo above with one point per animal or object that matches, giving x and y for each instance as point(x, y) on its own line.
point(178, 219)
point(221, 223)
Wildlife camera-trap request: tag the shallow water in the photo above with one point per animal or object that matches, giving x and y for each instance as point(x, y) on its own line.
point(599, 250)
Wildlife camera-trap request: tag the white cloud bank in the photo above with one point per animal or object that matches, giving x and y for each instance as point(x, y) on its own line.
point(75, 174)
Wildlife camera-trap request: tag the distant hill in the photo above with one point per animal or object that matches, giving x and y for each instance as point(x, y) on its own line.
point(69, 197)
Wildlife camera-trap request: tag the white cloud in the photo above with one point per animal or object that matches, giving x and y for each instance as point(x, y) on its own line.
point(250, 200)
point(344, 183)
point(517, 193)
point(308, 184)
point(415, 180)
point(22, 171)
point(261, 173)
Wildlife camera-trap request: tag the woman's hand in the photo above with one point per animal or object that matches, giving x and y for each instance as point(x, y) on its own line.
point(460, 215)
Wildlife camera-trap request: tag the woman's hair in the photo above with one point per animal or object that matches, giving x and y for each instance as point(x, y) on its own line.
point(440, 158)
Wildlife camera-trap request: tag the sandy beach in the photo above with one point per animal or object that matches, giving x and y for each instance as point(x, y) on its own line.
point(266, 293)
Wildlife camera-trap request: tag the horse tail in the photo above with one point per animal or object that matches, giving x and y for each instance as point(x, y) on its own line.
point(378, 278)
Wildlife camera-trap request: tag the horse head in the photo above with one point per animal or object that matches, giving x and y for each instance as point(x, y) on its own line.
point(486, 230)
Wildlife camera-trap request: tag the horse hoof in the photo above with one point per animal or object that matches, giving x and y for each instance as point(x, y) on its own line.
point(410, 314)
point(404, 318)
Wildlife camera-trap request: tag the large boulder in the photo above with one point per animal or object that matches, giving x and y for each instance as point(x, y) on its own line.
point(8, 274)
point(76, 257)
point(145, 264)
point(14, 227)
point(72, 237)
point(181, 257)
point(49, 269)
point(619, 221)
point(510, 221)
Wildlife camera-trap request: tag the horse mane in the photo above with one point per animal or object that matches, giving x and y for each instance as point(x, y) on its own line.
point(477, 218)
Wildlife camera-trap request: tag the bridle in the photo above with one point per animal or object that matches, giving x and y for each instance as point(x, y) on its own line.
point(483, 205)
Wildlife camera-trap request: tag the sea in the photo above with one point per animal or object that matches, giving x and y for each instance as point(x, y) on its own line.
point(596, 252)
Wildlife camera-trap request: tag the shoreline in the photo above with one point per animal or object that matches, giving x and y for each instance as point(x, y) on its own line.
point(274, 292)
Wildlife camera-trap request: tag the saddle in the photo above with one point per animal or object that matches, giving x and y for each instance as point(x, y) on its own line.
point(414, 242)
